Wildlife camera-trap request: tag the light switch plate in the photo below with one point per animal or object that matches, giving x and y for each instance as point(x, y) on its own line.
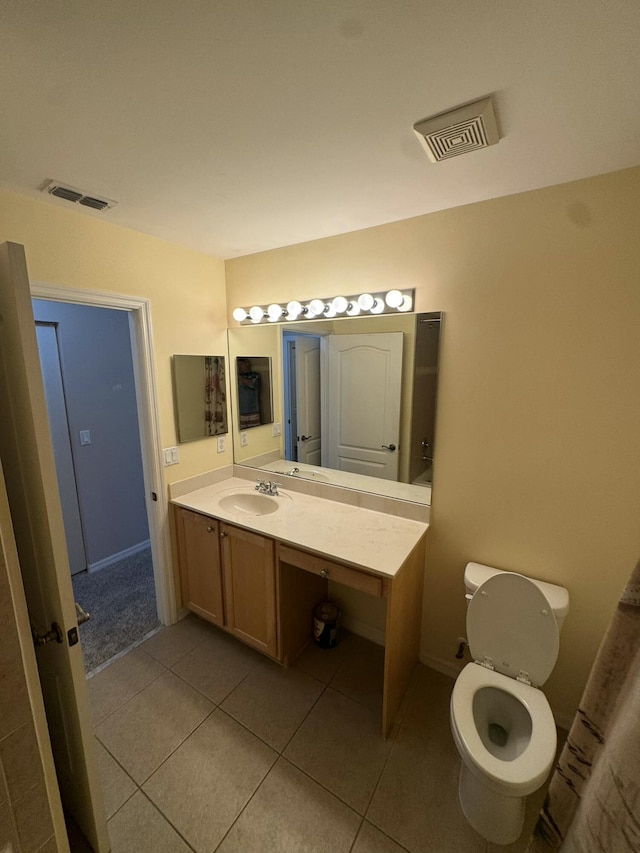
point(171, 456)
point(244, 439)
point(222, 443)
point(276, 429)
point(85, 436)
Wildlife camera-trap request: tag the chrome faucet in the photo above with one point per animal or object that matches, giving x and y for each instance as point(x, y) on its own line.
point(293, 472)
point(267, 487)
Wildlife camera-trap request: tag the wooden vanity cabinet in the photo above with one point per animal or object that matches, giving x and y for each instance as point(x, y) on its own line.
point(200, 566)
point(250, 588)
point(228, 576)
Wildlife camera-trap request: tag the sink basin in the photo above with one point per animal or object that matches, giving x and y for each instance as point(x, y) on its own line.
point(250, 503)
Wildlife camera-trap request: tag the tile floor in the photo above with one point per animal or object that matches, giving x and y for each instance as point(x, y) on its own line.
point(205, 745)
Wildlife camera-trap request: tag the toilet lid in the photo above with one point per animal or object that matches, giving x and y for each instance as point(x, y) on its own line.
point(510, 621)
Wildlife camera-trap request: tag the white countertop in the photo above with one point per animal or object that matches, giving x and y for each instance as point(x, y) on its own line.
point(369, 540)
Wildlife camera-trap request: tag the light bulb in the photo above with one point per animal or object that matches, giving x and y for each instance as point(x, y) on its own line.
point(340, 304)
point(365, 301)
point(330, 311)
point(394, 299)
point(316, 307)
point(406, 304)
point(256, 313)
point(353, 310)
point(377, 307)
point(275, 312)
point(294, 309)
point(240, 314)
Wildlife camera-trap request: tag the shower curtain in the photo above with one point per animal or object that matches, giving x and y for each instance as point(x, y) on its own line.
point(593, 802)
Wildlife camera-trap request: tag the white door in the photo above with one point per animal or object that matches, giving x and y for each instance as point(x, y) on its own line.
point(27, 458)
point(59, 426)
point(308, 397)
point(23, 645)
point(363, 393)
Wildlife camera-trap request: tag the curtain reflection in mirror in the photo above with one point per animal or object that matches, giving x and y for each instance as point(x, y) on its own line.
point(215, 403)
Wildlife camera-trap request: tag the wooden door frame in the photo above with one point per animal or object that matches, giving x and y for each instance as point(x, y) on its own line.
point(148, 416)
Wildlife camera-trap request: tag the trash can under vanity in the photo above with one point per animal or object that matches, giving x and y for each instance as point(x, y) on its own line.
point(326, 624)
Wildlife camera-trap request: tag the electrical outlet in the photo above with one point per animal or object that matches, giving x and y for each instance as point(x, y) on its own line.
point(276, 429)
point(222, 443)
point(244, 439)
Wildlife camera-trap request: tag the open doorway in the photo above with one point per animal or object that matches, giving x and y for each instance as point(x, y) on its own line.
point(99, 346)
point(89, 380)
point(302, 397)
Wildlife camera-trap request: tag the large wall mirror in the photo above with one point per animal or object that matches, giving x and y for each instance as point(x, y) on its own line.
point(354, 401)
point(199, 390)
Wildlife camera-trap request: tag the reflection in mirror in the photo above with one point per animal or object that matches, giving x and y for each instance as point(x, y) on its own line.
point(200, 396)
point(254, 391)
point(357, 398)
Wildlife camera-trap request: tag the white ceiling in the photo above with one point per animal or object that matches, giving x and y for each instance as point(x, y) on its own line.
point(235, 126)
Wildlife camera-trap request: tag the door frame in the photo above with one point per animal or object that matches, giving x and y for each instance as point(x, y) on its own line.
point(139, 310)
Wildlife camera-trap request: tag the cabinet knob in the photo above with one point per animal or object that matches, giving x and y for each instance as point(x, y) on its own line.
point(324, 573)
point(223, 534)
point(210, 529)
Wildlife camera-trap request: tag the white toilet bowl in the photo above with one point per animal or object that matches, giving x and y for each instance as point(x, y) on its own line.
point(501, 722)
point(506, 736)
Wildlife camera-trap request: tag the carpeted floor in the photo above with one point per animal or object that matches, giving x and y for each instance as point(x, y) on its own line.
point(122, 602)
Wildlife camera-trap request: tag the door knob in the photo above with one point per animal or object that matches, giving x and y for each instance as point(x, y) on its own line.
point(390, 447)
point(54, 634)
point(305, 437)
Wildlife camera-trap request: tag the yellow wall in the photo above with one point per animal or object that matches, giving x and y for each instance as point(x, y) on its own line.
point(538, 433)
point(186, 290)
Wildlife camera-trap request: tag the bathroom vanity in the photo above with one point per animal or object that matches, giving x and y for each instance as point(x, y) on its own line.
point(256, 565)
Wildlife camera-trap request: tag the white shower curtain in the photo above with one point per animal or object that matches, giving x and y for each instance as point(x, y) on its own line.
point(593, 802)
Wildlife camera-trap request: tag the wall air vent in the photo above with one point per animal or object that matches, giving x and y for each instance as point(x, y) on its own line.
point(458, 131)
point(55, 188)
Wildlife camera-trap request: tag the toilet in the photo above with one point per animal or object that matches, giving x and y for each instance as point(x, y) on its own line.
point(501, 721)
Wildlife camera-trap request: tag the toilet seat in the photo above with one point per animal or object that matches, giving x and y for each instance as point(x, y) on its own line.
point(511, 626)
point(524, 774)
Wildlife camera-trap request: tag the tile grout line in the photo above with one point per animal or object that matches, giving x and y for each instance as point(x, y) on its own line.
point(165, 818)
point(126, 702)
point(395, 734)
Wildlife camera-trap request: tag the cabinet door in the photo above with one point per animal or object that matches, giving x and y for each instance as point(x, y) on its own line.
point(200, 570)
point(250, 588)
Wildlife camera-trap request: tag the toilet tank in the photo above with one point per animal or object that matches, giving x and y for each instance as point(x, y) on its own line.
point(476, 574)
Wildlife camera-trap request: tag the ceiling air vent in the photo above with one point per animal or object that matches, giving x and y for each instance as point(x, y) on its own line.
point(458, 131)
point(77, 196)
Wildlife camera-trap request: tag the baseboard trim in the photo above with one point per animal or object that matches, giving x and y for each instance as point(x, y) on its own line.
point(444, 666)
point(121, 555)
point(362, 629)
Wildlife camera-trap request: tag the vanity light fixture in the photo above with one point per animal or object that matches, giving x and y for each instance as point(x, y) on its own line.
point(275, 312)
point(389, 302)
